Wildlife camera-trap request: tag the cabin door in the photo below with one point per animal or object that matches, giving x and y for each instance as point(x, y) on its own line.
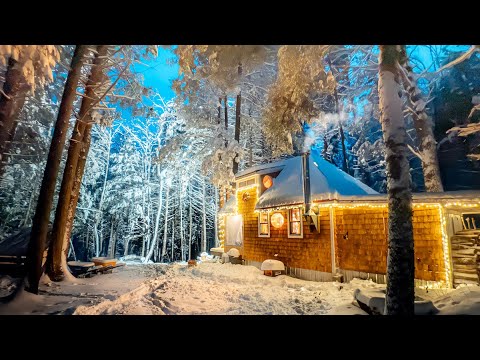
point(234, 230)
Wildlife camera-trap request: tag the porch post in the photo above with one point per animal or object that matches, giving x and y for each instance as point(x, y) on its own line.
point(332, 240)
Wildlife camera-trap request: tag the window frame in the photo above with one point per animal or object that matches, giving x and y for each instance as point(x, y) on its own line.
point(246, 181)
point(260, 225)
point(226, 242)
point(290, 235)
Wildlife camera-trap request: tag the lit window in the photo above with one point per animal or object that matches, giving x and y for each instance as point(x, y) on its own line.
point(247, 182)
point(267, 181)
point(295, 227)
point(263, 225)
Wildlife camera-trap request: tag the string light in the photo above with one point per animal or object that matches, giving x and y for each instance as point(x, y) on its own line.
point(466, 205)
point(446, 247)
point(278, 208)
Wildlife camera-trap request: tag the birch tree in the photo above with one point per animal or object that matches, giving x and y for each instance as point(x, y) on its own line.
point(400, 260)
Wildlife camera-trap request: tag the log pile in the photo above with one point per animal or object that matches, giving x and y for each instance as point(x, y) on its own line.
point(465, 247)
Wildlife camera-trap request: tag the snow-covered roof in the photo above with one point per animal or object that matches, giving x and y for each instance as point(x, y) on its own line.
point(230, 206)
point(262, 169)
point(327, 182)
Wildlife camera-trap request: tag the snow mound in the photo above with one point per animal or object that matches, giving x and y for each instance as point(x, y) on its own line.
point(233, 253)
point(461, 301)
point(272, 265)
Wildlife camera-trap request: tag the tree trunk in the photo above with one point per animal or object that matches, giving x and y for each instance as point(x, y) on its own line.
point(15, 90)
point(225, 104)
point(204, 220)
point(72, 206)
point(99, 213)
point(400, 261)
point(219, 118)
point(172, 242)
point(81, 129)
point(182, 240)
point(427, 146)
point(157, 222)
point(190, 224)
point(325, 147)
point(219, 108)
point(215, 219)
point(340, 127)
point(238, 107)
point(38, 237)
point(111, 242)
point(344, 149)
point(165, 227)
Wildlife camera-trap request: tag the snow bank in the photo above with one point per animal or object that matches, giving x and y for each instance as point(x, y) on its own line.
point(464, 300)
point(214, 288)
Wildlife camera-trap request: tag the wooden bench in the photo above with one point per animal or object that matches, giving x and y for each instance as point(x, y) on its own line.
point(88, 269)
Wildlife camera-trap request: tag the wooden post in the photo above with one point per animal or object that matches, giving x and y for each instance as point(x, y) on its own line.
point(332, 240)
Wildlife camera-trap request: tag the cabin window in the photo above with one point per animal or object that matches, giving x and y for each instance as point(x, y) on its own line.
point(247, 182)
point(295, 226)
point(264, 224)
point(234, 230)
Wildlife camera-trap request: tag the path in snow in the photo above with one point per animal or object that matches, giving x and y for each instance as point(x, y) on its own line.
point(65, 297)
point(214, 288)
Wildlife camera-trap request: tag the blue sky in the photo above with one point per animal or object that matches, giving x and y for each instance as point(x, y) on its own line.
point(158, 73)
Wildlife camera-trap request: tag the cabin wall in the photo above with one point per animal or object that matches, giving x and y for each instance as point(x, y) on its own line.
point(310, 252)
point(360, 235)
point(365, 248)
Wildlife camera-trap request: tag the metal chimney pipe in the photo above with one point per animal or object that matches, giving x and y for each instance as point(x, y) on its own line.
point(306, 181)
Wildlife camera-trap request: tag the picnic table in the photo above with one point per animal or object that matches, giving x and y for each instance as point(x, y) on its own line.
point(82, 269)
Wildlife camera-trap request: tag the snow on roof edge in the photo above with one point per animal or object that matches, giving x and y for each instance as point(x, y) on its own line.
point(280, 164)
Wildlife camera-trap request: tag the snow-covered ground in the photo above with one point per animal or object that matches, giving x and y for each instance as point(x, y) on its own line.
point(65, 297)
point(212, 288)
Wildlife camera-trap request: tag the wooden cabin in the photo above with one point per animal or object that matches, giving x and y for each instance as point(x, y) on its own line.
point(335, 226)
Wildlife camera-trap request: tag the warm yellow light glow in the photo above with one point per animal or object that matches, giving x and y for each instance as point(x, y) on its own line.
point(267, 181)
point(277, 220)
point(446, 247)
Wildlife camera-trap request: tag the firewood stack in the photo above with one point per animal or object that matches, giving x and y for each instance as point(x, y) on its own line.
point(465, 247)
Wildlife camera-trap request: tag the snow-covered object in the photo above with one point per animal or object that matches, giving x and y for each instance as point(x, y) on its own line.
point(263, 168)
point(233, 253)
point(461, 301)
point(218, 251)
point(204, 256)
point(7, 286)
point(225, 258)
point(272, 265)
point(230, 206)
point(374, 299)
point(327, 182)
point(134, 259)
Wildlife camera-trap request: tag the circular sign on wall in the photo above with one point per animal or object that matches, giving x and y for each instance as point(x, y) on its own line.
point(267, 181)
point(277, 220)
